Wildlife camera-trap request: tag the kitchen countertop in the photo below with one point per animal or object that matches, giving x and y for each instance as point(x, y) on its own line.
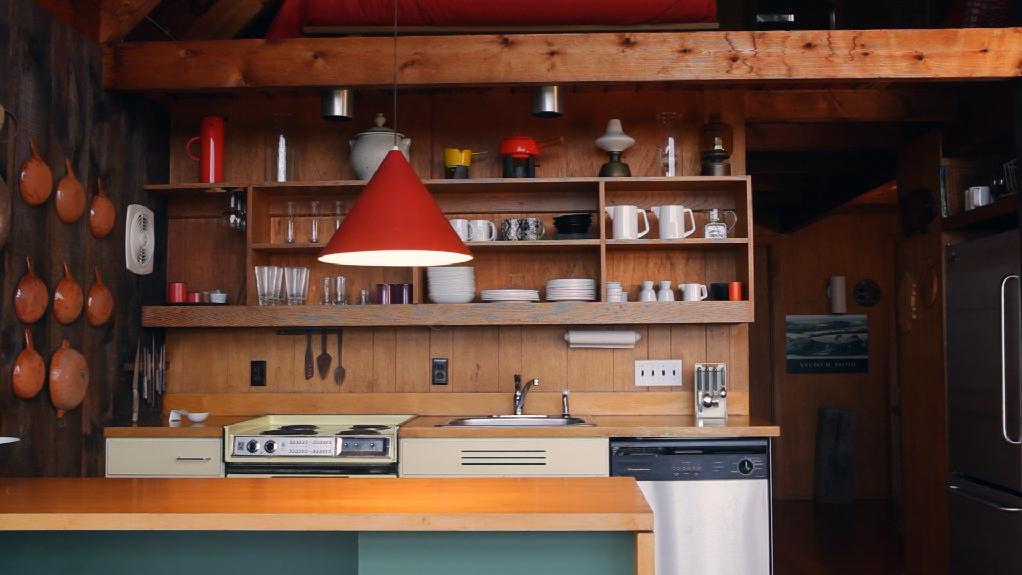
point(317, 504)
point(684, 426)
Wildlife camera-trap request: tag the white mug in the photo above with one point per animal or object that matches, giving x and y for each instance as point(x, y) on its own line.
point(461, 228)
point(482, 231)
point(625, 224)
point(693, 292)
point(672, 222)
point(977, 196)
point(666, 292)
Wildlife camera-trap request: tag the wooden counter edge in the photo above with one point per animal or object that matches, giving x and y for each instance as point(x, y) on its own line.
point(637, 522)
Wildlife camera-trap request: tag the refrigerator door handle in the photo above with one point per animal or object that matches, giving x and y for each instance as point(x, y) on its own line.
point(1004, 371)
point(959, 490)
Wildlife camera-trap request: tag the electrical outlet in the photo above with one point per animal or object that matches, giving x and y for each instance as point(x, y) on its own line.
point(257, 373)
point(658, 372)
point(439, 371)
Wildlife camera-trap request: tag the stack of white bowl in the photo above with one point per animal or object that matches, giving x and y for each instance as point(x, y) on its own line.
point(571, 289)
point(498, 295)
point(451, 284)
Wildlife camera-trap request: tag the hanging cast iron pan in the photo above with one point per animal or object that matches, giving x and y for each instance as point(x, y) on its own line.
point(29, 370)
point(67, 298)
point(69, 378)
point(101, 212)
point(6, 195)
point(30, 296)
point(100, 304)
point(36, 182)
point(70, 200)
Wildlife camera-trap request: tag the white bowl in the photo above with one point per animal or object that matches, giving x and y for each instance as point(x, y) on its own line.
point(452, 298)
point(197, 417)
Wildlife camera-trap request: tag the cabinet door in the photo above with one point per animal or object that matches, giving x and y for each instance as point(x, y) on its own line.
point(159, 457)
point(505, 457)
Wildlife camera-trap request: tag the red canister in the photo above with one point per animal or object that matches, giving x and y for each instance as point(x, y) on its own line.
point(195, 297)
point(734, 291)
point(176, 292)
point(211, 150)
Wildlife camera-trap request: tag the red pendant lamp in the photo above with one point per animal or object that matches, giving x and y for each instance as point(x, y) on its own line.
point(395, 222)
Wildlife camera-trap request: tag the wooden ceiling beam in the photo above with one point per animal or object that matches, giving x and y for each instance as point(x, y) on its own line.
point(904, 104)
point(490, 59)
point(119, 17)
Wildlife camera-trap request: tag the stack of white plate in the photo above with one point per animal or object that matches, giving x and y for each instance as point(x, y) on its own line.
point(571, 290)
point(496, 295)
point(451, 284)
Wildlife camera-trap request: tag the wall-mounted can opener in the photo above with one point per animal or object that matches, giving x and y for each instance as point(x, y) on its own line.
point(711, 390)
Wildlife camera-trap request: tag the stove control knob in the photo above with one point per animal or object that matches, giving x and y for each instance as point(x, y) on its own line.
point(745, 466)
point(270, 446)
point(252, 446)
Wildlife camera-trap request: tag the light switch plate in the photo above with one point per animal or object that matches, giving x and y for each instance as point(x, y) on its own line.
point(656, 372)
point(438, 368)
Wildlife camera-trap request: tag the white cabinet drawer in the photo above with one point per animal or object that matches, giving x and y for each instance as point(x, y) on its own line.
point(504, 457)
point(160, 457)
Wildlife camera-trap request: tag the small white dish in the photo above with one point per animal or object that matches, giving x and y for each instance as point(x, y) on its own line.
point(175, 416)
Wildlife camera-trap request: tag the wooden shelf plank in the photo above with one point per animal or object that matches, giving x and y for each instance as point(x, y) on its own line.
point(1000, 214)
point(546, 313)
point(306, 248)
point(595, 58)
point(295, 248)
point(655, 244)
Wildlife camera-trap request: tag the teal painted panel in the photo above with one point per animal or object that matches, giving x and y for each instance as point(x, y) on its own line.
point(177, 553)
point(490, 553)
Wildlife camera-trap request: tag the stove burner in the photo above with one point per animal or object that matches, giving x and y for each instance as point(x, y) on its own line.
point(360, 431)
point(292, 430)
point(371, 426)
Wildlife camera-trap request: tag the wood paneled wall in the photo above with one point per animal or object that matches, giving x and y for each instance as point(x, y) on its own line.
point(51, 82)
point(482, 359)
point(800, 263)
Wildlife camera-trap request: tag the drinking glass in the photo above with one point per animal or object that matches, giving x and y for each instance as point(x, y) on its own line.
point(327, 283)
point(296, 283)
point(363, 297)
point(268, 281)
point(289, 236)
point(340, 290)
point(281, 296)
point(338, 212)
point(314, 228)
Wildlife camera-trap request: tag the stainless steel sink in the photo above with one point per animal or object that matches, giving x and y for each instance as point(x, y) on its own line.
point(517, 421)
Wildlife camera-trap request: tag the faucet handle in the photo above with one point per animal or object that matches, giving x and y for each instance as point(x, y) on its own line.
point(518, 383)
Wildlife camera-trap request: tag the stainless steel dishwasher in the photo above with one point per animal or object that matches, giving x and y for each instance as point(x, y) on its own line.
point(710, 500)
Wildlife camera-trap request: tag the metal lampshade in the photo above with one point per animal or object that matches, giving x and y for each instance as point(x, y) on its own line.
point(546, 101)
point(395, 222)
point(338, 104)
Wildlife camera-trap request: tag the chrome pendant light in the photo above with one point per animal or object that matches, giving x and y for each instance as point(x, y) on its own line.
point(338, 104)
point(546, 101)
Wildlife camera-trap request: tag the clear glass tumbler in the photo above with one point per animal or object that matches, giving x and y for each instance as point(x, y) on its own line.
point(265, 288)
point(338, 214)
point(296, 284)
point(340, 290)
point(327, 287)
point(314, 225)
point(289, 234)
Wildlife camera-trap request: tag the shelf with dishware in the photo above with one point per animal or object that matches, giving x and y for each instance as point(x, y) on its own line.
point(509, 313)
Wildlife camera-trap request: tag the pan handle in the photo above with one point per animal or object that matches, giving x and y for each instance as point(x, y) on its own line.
point(1004, 366)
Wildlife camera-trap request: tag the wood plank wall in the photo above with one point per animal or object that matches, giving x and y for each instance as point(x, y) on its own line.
point(483, 359)
point(52, 84)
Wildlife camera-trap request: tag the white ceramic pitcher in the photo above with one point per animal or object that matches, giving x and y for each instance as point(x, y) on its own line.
point(672, 222)
point(625, 222)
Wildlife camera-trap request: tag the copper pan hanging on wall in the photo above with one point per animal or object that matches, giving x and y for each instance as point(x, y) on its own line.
point(36, 179)
point(30, 296)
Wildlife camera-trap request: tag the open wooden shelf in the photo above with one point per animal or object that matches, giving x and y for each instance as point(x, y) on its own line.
point(676, 244)
point(1000, 214)
point(544, 313)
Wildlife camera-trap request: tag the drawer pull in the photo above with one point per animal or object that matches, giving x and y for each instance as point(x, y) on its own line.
point(179, 458)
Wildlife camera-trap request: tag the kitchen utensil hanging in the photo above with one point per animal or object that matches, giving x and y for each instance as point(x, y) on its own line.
point(67, 298)
point(323, 360)
point(139, 239)
point(100, 303)
point(36, 182)
point(30, 296)
point(7, 179)
point(70, 199)
point(69, 378)
point(339, 371)
point(29, 370)
point(102, 213)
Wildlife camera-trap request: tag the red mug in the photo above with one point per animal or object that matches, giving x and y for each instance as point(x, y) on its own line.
point(176, 292)
point(734, 291)
point(211, 151)
point(195, 297)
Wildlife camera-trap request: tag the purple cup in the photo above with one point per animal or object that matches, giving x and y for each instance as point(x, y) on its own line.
point(383, 294)
point(400, 293)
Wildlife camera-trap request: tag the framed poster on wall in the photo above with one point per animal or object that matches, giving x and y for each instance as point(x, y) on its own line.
point(827, 343)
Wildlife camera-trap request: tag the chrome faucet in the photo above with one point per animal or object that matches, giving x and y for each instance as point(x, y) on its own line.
point(521, 391)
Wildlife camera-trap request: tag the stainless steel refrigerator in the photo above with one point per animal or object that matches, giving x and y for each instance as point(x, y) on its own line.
point(984, 405)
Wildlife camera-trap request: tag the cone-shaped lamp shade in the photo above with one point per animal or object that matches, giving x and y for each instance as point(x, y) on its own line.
point(395, 223)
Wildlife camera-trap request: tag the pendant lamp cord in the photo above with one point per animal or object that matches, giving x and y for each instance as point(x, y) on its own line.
point(395, 74)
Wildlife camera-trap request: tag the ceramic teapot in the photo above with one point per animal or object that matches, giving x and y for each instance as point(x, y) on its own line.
point(368, 148)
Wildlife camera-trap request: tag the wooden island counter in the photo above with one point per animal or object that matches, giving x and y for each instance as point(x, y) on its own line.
point(349, 526)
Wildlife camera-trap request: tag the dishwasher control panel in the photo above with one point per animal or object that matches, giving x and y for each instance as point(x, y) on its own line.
point(652, 460)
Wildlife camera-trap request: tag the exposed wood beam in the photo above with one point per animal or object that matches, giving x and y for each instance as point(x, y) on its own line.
point(921, 55)
point(225, 19)
point(888, 105)
point(119, 17)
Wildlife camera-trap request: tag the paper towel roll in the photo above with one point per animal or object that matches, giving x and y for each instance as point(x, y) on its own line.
point(836, 291)
point(601, 339)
